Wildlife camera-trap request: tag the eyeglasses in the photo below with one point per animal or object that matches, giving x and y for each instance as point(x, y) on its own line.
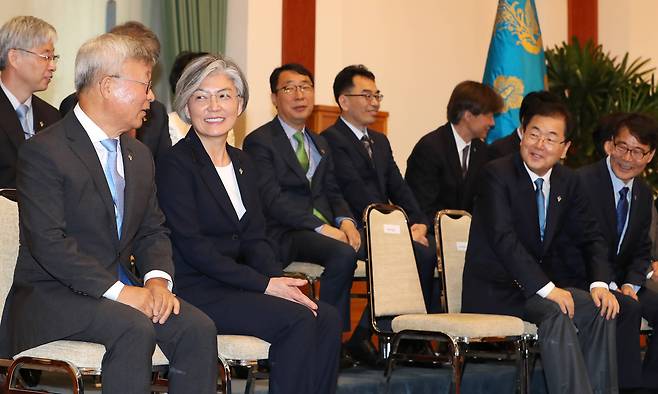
point(550, 141)
point(48, 58)
point(290, 89)
point(148, 84)
point(636, 153)
point(368, 96)
point(223, 96)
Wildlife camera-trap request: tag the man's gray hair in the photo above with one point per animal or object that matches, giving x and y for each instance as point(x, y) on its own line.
point(24, 32)
point(105, 55)
point(198, 70)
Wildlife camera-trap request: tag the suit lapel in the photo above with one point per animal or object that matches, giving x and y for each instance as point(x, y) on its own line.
point(210, 177)
point(453, 156)
point(240, 175)
point(316, 181)
point(633, 217)
point(556, 200)
point(82, 147)
point(282, 145)
point(527, 204)
point(605, 194)
point(10, 121)
point(37, 115)
point(130, 177)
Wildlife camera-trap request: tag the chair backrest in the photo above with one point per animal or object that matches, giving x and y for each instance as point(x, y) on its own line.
point(393, 276)
point(451, 229)
point(8, 246)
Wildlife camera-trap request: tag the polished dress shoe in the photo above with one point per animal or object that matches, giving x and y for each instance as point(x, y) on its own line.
point(346, 360)
point(364, 353)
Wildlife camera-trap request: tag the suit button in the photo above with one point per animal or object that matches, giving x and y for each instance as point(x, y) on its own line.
point(235, 237)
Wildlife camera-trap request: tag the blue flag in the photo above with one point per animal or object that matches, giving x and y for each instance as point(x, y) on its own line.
point(515, 63)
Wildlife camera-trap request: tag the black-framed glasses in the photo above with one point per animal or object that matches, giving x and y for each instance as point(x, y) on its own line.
point(550, 141)
point(48, 58)
point(636, 153)
point(368, 96)
point(148, 84)
point(290, 89)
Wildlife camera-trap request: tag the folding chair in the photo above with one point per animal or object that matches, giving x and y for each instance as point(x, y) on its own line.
point(75, 359)
point(395, 293)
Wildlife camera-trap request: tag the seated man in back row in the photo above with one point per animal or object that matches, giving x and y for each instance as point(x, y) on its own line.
point(306, 213)
point(529, 211)
point(367, 174)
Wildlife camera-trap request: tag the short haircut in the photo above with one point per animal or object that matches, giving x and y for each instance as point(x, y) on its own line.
point(604, 130)
point(344, 80)
point(473, 97)
point(182, 60)
point(198, 70)
point(24, 32)
point(294, 67)
point(105, 55)
point(141, 33)
point(549, 108)
point(531, 97)
point(643, 127)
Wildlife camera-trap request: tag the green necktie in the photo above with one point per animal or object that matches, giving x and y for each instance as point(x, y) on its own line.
point(300, 152)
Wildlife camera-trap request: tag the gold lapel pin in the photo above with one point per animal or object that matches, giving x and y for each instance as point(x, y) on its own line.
point(559, 198)
point(41, 124)
point(130, 156)
point(241, 171)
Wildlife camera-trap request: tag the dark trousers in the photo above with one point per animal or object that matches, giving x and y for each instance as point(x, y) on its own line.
point(579, 355)
point(649, 305)
point(629, 359)
point(188, 340)
point(425, 264)
point(339, 262)
point(304, 349)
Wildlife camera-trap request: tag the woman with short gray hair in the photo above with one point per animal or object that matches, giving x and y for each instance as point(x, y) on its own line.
point(225, 265)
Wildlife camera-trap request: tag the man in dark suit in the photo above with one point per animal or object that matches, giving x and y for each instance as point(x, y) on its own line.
point(87, 204)
point(443, 168)
point(28, 62)
point(367, 173)
point(622, 204)
point(154, 131)
point(305, 210)
point(530, 210)
point(510, 144)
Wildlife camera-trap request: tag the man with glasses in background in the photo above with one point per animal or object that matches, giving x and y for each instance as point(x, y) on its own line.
point(367, 173)
point(28, 62)
point(529, 212)
point(622, 204)
point(306, 213)
point(443, 168)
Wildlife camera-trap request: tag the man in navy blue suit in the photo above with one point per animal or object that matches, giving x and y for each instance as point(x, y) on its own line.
point(530, 211)
point(622, 204)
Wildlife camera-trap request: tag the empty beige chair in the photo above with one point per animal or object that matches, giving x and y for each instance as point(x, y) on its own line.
point(395, 293)
point(76, 359)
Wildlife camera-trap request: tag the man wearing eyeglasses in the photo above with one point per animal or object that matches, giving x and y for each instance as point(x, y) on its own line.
point(622, 204)
point(367, 173)
point(305, 210)
point(529, 212)
point(154, 132)
point(443, 168)
point(28, 62)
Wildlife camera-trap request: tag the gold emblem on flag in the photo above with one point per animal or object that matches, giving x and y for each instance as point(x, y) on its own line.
point(522, 23)
point(511, 89)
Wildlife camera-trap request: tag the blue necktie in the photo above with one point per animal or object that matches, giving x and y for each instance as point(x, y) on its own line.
point(622, 211)
point(541, 206)
point(117, 185)
point(21, 111)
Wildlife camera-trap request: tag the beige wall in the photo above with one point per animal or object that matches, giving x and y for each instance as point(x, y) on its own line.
point(629, 26)
point(419, 50)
